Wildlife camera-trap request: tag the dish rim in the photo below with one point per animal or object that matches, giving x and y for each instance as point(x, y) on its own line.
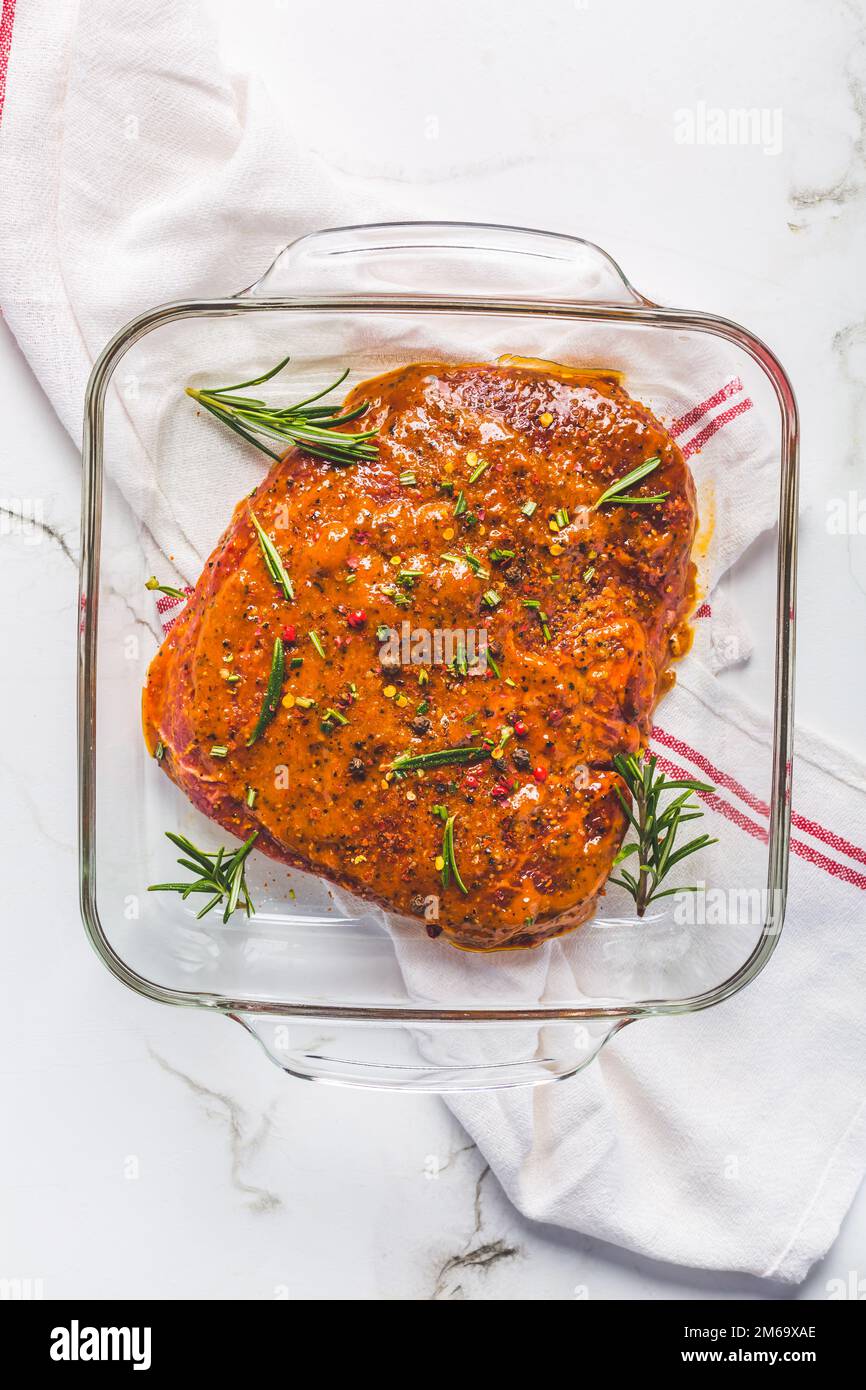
point(637, 310)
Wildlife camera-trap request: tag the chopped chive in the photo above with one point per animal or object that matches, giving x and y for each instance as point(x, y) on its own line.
point(383, 632)
point(408, 479)
point(334, 714)
point(491, 598)
point(219, 750)
point(460, 505)
point(588, 573)
point(251, 797)
point(498, 554)
point(304, 701)
point(474, 563)
point(529, 508)
point(159, 752)
point(542, 616)
point(560, 516)
point(504, 735)
point(296, 663)
point(317, 643)
point(494, 667)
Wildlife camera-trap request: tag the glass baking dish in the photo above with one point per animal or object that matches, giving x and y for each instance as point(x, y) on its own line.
point(330, 990)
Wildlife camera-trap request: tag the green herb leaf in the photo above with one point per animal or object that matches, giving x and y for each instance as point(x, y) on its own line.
point(450, 866)
point(655, 828)
point(273, 562)
point(154, 585)
point(272, 693)
point(217, 873)
point(480, 468)
point(616, 491)
point(312, 427)
point(464, 756)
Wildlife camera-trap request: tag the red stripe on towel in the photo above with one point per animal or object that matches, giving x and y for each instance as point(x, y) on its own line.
point(811, 827)
point(7, 19)
point(697, 412)
point(699, 440)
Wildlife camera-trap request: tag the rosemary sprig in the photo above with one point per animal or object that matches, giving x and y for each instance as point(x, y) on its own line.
point(655, 829)
point(449, 868)
point(273, 562)
point(464, 756)
point(222, 877)
point(314, 428)
point(273, 692)
point(616, 491)
point(154, 585)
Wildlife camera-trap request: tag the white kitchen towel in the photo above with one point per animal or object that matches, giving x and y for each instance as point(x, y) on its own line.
point(733, 1138)
point(135, 171)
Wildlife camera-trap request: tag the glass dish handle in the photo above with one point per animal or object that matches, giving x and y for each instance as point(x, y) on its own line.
point(430, 1056)
point(445, 261)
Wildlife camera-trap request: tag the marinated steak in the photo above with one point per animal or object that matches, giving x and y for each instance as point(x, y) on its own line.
point(461, 591)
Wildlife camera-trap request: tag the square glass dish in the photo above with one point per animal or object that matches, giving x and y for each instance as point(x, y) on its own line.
point(329, 988)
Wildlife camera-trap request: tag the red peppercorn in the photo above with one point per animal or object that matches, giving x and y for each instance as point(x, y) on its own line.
point(501, 789)
point(540, 773)
point(470, 782)
point(357, 619)
point(555, 717)
point(290, 634)
point(520, 728)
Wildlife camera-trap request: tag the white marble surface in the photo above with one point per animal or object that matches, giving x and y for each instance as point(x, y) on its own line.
point(153, 1152)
